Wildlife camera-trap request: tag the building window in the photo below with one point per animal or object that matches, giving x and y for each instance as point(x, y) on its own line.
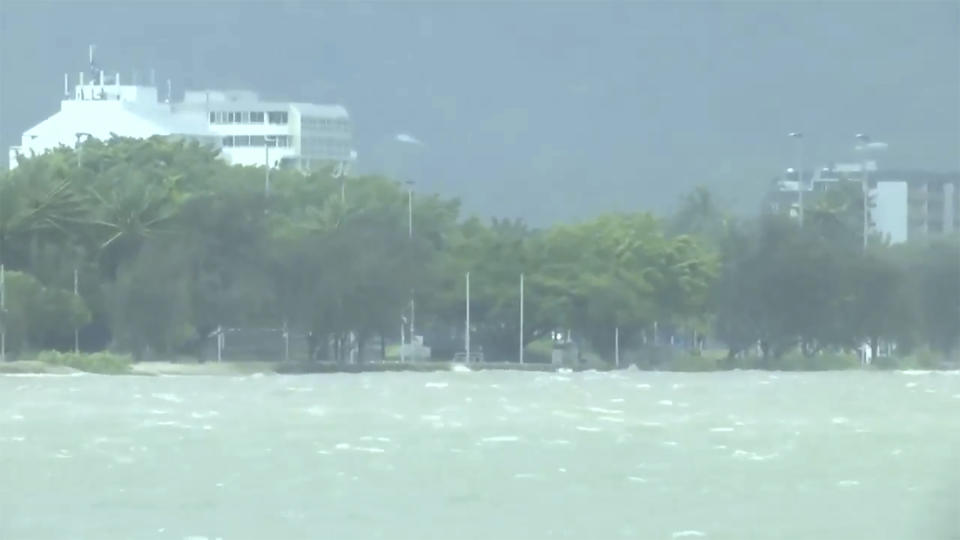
point(227, 141)
point(242, 140)
point(256, 117)
point(256, 140)
point(245, 117)
point(213, 118)
point(277, 117)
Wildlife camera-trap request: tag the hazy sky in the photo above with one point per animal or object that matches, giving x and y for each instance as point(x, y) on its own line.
point(549, 110)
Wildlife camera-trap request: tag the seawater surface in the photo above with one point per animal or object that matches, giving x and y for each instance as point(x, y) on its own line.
point(482, 455)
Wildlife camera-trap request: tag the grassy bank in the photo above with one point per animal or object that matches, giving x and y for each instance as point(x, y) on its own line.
point(100, 362)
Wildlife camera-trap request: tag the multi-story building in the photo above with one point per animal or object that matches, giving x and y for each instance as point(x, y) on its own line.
point(248, 131)
point(903, 205)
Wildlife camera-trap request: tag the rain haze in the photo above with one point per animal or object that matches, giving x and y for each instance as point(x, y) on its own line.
point(479, 270)
point(567, 108)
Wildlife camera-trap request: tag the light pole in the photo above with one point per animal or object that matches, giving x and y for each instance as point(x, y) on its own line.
point(796, 135)
point(86, 136)
point(3, 315)
point(616, 347)
point(410, 184)
point(341, 171)
point(866, 146)
point(76, 293)
point(267, 139)
point(413, 305)
point(409, 140)
point(521, 318)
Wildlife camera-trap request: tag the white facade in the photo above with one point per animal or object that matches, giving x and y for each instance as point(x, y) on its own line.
point(902, 206)
point(247, 130)
point(890, 211)
point(253, 132)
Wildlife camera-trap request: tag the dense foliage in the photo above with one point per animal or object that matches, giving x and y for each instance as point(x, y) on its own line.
point(171, 243)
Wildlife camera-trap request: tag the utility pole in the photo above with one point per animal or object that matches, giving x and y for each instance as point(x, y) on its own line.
point(466, 330)
point(800, 180)
point(3, 315)
point(413, 305)
point(76, 293)
point(521, 317)
point(403, 357)
point(266, 163)
point(220, 343)
point(616, 347)
point(866, 146)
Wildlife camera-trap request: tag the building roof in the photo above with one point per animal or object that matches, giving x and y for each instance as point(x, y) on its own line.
point(917, 176)
point(102, 119)
point(326, 111)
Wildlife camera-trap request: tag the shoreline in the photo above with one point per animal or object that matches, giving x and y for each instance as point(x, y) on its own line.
point(160, 368)
point(249, 368)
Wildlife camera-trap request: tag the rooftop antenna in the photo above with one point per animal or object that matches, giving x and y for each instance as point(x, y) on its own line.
point(169, 91)
point(93, 66)
point(66, 85)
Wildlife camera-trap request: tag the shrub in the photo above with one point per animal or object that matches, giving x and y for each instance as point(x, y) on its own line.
point(825, 361)
point(100, 362)
point(919, 359)
point(691, 362)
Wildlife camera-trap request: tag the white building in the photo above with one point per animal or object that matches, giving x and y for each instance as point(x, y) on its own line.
point(248, 131)
point(904, 205)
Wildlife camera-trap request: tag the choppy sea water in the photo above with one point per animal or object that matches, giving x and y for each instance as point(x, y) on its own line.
point(486, 455)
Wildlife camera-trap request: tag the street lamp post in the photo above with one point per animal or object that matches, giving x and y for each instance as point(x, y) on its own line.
point(413, 305)
point(79, 148)
point(865, 188)
point(521, 317)
point(3, 315)
point(76, 293)
point(266, 163)
point(410, 184)
point(800, 187)
point(466, 324)
point(866, 146)
point(409, 141)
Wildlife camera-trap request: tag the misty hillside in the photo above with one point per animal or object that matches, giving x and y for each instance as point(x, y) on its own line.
point(546, 111)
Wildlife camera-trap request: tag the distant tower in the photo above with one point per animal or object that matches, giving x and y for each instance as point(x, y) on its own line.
point(93, 66)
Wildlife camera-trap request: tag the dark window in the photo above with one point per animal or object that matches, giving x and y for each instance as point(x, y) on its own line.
point(227, 141)
point(213, 118)
point(256, 117)
point(277, 117)
point(256, 140)
point(242, 140)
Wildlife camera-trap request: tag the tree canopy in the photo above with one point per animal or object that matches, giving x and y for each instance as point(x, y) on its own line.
point(171, 243)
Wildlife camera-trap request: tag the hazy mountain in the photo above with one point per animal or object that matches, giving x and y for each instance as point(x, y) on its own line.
point(543, 110)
